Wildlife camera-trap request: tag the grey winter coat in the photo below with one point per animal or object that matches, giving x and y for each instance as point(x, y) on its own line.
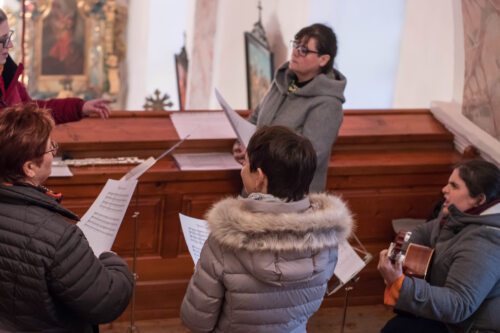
point(265, 265)
point(314, 111)
point(50, 280)
point(464, 286)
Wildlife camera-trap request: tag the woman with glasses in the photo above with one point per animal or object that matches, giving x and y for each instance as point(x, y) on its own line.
point(307, 96)
point(13, 92)
point(50, 279)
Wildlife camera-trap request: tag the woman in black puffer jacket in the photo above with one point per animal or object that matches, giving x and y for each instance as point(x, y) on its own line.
point(50, 280)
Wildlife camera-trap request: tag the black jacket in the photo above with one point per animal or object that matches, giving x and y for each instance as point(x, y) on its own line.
point(50, 280)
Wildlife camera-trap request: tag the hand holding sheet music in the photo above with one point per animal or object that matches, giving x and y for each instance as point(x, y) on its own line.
point(100, 224)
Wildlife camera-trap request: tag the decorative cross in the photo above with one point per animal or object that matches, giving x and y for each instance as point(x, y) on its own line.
point(157, 103)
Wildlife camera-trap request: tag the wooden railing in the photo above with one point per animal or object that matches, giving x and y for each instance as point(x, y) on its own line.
point(386, 164)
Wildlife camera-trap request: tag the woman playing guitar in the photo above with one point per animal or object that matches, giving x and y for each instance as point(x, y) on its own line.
point(462, 292)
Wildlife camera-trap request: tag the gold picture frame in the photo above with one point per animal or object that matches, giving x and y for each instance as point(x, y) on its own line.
point(259, 67)
point(61, 46)
point(75, 48)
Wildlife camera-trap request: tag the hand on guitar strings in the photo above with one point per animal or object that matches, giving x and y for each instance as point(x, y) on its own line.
point(389, 271)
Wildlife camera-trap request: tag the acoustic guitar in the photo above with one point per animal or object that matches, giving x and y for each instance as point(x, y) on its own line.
point(415, 259)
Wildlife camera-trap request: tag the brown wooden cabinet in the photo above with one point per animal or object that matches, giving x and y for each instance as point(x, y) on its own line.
point(386, 164)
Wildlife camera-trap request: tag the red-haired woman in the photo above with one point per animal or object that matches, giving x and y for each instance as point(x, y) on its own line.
point(50, 279)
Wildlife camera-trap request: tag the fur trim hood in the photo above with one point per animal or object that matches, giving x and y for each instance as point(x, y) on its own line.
point(324, 224)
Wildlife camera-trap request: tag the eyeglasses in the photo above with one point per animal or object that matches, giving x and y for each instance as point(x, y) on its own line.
point(5, 41)
point(301, 49)
point(54, 147)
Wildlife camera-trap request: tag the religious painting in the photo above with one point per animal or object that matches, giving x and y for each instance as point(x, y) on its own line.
point(259, 65)
point(181, 69)
point(75, 48)
point(63, 40)
point(62, 50)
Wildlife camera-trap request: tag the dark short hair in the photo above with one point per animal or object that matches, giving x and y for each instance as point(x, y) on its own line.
point(480, 177)
point(286, 158)
point(326, 41)
point(24, 132)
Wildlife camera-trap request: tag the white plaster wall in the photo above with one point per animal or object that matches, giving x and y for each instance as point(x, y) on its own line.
point(154, 34)
point(427, 70)
point(236, 17)
point(369, 37)
point(137, 62)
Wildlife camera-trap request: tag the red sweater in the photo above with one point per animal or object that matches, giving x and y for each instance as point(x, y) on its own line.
point(14, 92)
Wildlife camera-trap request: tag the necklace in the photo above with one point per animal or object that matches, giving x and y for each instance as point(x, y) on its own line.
point(292, 87)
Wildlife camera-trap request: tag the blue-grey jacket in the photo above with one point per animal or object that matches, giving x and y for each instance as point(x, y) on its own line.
point(464, 286)
point(314, 111)
point(265, 265)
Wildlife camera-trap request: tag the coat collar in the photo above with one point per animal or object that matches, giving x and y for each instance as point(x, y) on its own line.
point(326, 222)
point(11, 72)
point(26, 195)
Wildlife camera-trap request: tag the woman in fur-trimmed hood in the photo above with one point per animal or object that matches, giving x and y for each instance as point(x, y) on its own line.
point(267, 261)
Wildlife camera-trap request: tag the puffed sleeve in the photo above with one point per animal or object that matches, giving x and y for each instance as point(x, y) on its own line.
point(472, 274)
point(97, 290)
point(205, 293)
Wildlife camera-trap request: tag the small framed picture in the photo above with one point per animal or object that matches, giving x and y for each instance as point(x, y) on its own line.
point(260, 71)
point(181, 69)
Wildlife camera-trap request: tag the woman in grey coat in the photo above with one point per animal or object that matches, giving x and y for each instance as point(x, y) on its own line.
point(50, 280)
point(306, 95)
point(463, 291)
point(267, 261)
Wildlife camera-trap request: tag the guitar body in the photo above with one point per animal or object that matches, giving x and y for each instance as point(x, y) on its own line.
point(415, 259)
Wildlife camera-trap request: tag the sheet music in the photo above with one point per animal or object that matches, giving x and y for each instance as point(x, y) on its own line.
point(140, 169)
point(101, 222)
point(206, 161)
point(195, 233)
point(348, 264)
point(202, 125)
point(243, 128)
point(59, 169)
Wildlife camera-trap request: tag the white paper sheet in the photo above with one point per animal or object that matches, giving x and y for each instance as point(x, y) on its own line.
point(349, 263)
point(206, 161)
point(140, 169)
point(101, 222)
point(202, 125)
point(60, 169)
point(243, 128)
point(195, 233)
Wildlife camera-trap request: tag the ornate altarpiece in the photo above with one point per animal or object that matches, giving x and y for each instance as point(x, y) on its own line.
point(73, 48)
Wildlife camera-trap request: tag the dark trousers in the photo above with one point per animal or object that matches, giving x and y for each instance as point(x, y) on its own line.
point(411, 324)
